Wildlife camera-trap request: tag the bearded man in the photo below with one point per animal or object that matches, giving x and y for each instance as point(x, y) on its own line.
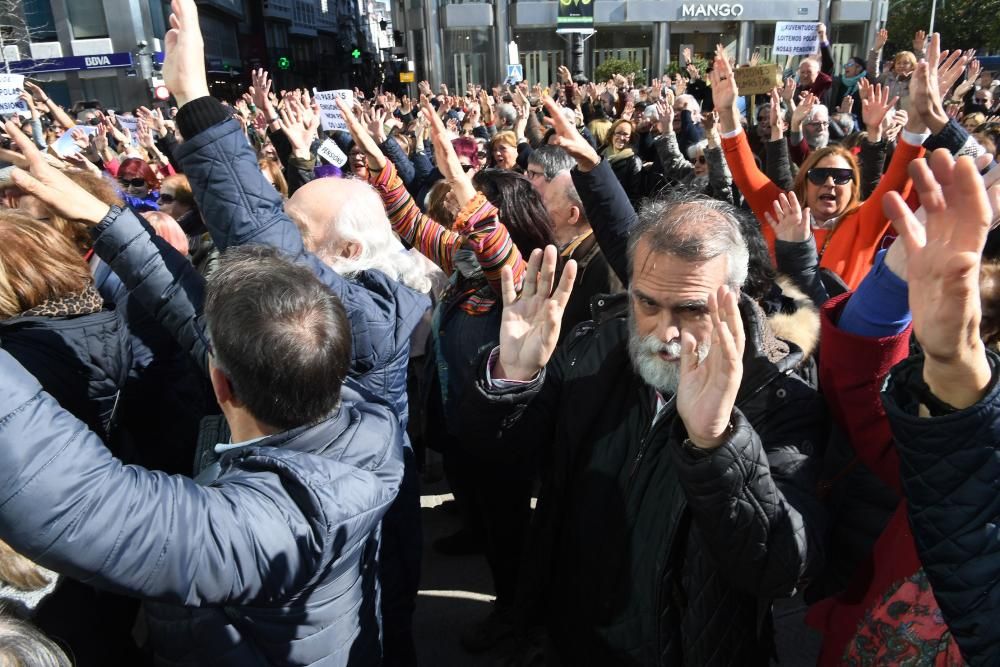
point(679, 451)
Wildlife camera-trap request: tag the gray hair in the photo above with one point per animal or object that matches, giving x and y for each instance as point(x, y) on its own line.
point(362, 219)
point(693, 228)
point(696, 149)
point(815, 112)
point(507, 113)
point(552, 160)
point(23, 644)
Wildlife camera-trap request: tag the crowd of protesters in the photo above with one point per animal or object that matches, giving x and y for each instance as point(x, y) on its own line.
point(737, 349)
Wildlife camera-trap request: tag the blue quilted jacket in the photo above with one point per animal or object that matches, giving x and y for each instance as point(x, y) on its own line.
point(950, 467)
point(240, 206)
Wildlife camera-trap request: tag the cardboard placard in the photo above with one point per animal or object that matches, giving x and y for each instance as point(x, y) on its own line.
point(330, 151)
point(795, 39)
point(11, 86)
point(330, 117)
point(407, 77)
point(757, 80)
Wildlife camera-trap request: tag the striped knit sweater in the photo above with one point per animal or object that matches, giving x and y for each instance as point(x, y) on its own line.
point(477, 227)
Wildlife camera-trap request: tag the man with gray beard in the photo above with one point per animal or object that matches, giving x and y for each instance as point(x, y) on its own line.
point(679, 452)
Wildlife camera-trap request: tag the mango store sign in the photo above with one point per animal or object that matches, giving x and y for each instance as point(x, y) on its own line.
point(697, 10)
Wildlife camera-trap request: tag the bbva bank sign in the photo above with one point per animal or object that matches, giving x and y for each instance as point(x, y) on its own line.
point(702, 10)
point(97, 61)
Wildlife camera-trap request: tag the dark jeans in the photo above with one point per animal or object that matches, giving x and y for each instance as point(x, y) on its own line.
point(399, 570)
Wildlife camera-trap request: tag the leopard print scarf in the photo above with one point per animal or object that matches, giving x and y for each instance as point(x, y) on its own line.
point(85, 303)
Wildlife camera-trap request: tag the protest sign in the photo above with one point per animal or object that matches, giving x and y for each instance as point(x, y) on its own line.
point(330, 151)
point(11, 86)
point(330, 117)
point(795, 39)
point(758, 79)
point(65, 145)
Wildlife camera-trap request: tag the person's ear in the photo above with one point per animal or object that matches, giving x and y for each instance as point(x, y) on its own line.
point(223, 387)
point(350, 250)
point(574, 215)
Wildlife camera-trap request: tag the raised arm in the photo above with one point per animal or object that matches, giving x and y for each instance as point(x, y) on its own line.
point(607, 205)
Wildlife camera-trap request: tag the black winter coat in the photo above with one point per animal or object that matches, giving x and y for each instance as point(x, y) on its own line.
point(645, 552)
point(82, 360)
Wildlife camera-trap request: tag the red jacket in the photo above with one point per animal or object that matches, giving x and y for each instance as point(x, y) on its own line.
point(852, 369)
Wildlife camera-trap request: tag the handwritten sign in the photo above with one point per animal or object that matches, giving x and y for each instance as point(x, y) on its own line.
point(795, 39)
point(11, 86)
point(330, 117)
point(758, 79)
point(330, 151)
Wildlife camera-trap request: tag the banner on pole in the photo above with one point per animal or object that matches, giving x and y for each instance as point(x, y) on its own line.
point(575, 14)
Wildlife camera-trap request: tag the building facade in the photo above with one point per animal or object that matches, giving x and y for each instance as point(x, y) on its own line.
point(84, 50)
point(462, 41)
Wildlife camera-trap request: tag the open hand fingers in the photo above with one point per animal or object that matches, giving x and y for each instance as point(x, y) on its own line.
point(530, 286)
point(910, 231)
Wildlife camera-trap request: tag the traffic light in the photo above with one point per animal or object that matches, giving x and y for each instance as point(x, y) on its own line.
point(284, 62)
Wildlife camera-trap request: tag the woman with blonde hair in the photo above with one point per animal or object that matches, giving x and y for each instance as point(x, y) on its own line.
point(272, 172)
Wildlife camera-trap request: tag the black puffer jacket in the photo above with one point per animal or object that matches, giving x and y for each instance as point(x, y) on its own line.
point(646, 553)
point(82, 360)
point(950, 466)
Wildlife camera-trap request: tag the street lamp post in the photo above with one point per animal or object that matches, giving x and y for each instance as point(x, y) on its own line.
point(933, 11)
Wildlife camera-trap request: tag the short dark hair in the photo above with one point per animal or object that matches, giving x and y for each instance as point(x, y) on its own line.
point(279, 334)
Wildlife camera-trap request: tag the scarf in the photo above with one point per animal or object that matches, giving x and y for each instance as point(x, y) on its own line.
point(851, 83)
point(86, 302)
point(613, 156)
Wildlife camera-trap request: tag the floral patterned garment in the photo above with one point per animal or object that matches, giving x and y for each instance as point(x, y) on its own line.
point(905, 628)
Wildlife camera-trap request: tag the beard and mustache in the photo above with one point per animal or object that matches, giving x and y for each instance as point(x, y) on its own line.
point(644, 351)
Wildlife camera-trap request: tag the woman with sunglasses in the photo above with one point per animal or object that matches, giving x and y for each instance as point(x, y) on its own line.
point(846, 231)
point(138, 184)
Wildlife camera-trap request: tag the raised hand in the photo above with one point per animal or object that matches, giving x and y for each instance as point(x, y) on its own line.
point(52, 187)
point(376, 125)
point(790, 221)
point(881, 38)
point(564, 74)
point(687, 55)
point(184, 62)
point(951, 67)
point(446, 158)
point(919, 41)
point(666, 114)
point(925, 90)
point(708, 385)
point(724, 90)
point(821, 32)
point(295, 124)
point(261, 92)
point(530, 325)
point(154, 119)
point(569, 139)
point(755, 58)
point(373, 154)
point(943, 273)
point(788, 92)
point(874, 106)
point(802, 111)
point(777, 116)
point(846, 104)
point(145, 134)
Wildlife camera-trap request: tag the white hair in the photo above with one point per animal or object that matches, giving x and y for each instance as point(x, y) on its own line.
point(815, 111)
point(694, 150)
point(362, 219)
point(692, 103)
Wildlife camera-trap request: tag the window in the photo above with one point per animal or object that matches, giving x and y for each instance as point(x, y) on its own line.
point(87, 18)
point(159, 13)
point(220, 38)
point(41, 25)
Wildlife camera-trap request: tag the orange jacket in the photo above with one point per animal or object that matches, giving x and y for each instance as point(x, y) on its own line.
point(858, 235)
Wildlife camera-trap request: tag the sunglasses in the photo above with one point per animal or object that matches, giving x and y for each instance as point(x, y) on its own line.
point(133, 182)
point(467, 167)
point(840, 176)
point(482, 155)
point(700, 160)
point(166, 199)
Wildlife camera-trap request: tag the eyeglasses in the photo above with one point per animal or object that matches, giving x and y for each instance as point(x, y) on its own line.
point(132, 182)
point(623, 134)
point(535, 174)
point(166, 199)
point(819, 124)
point(482, 155)
point(840, 176)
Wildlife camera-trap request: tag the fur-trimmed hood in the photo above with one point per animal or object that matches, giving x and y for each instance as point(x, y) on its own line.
point(797, 320)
